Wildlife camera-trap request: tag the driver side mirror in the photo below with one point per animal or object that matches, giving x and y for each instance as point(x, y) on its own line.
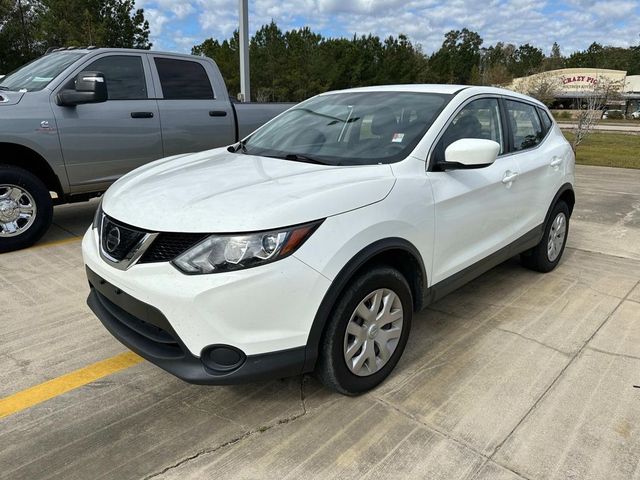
point(469, 153)
point(91, 87)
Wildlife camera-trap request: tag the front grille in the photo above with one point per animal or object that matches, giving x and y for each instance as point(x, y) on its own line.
point(118, 239)
point(168, 246)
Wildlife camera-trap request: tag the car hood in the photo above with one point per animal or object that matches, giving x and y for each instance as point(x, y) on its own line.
point(217, 192)
point(9, 98)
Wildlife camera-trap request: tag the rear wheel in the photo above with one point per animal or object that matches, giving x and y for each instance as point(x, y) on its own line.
point(546, 255)
point(367, 332)
point(26, 209)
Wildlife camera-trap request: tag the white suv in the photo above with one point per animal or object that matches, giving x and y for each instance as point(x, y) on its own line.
point(309, 245)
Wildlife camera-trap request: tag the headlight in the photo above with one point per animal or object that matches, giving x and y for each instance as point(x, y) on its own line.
point(223, 253)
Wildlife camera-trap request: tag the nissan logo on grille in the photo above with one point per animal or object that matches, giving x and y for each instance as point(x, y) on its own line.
point(112, 242)
point(119, 242)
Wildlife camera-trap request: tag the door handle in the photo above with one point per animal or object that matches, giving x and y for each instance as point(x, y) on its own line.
point(141, 114)
point(555, 162)
point(217, 113)
point(509, 177)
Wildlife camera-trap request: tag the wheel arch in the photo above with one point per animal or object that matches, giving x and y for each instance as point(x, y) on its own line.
point(566, 194)
point(394, 252)
point(16, 155)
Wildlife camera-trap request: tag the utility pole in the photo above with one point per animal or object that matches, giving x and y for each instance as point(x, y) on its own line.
point(245, 77)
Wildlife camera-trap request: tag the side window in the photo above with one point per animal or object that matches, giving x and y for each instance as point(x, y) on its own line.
point(547, 123)
point(183, 80)
point(478, 119)
point(525, 125)
point(124, 75)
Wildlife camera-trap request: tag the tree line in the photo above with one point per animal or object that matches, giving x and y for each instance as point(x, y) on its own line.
point(293, 65)
point(29, 27)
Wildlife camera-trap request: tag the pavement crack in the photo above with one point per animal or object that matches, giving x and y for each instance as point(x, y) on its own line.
point(239, 438)
point(613, 255)
point(613, 354)
point(23, 365)
point(566, 354)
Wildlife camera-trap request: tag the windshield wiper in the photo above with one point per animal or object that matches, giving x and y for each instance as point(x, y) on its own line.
point(2, 87)
point(297, 157)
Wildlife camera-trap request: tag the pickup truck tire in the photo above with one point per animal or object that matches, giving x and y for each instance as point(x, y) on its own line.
point(362, 326)
point(545, 256)
point(26, 209)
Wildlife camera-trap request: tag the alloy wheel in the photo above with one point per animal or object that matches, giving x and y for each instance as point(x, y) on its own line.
point(17, 210)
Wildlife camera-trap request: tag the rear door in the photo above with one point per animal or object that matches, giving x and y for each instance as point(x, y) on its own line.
point(474, 209)
point(194, 116)
point(102, 141)
point(541, 158)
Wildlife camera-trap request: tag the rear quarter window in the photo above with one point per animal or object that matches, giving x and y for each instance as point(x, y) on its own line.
point(547, 123)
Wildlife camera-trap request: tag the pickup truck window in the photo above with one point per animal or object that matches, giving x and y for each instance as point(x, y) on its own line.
point(183, 80)
point(36, 75)
point(124, 75)
point(362, 128)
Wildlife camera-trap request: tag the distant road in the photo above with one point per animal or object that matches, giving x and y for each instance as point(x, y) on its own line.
point(628, 128)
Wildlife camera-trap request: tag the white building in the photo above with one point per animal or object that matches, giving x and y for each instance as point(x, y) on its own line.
point(572, 85)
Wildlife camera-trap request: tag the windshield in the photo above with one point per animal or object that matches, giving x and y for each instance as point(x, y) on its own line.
point(349, 128)
point(37, 74)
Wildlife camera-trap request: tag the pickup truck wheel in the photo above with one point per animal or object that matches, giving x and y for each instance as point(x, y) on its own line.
point(545, 256)
point(367, 332)
point(26, 209)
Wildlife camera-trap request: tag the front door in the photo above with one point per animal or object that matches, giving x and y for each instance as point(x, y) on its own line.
point(474, 209)
point(103, 141)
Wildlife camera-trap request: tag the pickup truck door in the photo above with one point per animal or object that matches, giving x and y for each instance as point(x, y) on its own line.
point(103, 141)
point(195, 111)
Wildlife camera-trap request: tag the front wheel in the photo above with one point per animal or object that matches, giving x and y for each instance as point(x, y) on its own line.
point(367, 332)
point(26, 209)
point(546, 255)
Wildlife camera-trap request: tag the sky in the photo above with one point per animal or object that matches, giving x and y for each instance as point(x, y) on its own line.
point(177, 25)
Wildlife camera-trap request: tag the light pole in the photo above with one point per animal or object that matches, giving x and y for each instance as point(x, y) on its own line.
point(245, 82)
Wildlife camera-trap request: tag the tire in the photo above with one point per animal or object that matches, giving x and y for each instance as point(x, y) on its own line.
point(542, 258)
point(332, 368)
point(21, 192)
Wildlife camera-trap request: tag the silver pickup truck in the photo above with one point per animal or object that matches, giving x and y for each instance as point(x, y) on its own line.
point(75, 120)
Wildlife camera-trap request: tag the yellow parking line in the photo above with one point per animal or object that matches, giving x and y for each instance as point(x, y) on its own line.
point(58, 242)
point(45, 391)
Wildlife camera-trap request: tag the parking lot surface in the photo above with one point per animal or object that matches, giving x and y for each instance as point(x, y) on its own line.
point(516, 375)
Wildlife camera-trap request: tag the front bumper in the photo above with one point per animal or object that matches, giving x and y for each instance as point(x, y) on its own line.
point(175, 320)
point(150, 335)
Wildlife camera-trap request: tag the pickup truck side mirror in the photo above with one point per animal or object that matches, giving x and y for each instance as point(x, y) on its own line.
point(91, 87)
point(469, 153)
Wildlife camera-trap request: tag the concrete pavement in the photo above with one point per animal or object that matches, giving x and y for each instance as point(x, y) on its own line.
point(517, 375)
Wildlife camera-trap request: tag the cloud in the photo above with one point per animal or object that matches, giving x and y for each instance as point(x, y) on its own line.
point(156, 19)
point(574, 24)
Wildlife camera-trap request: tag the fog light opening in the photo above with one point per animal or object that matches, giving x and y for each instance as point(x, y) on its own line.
point(222, 358)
